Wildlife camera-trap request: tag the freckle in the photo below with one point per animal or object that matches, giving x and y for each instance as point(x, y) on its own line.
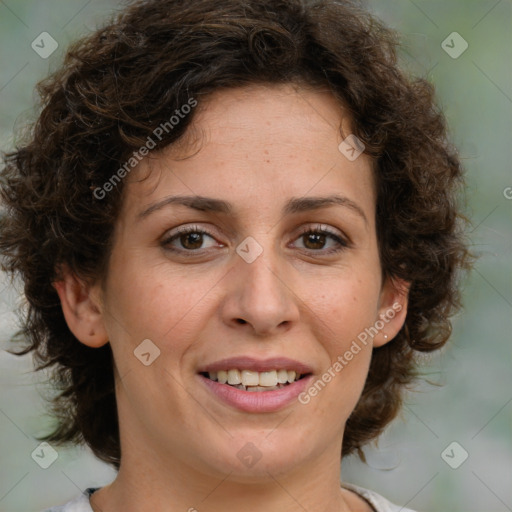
point(266, 151)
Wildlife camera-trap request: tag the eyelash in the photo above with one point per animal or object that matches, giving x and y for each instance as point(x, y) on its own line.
point(342, 243)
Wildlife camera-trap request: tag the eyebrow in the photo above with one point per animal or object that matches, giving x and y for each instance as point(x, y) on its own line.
point(293, 205)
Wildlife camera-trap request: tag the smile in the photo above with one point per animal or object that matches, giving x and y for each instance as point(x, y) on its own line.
point(252, 381)
point(254, 385)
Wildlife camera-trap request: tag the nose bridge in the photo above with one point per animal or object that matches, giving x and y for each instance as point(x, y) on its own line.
point(261, 296)
point(262, 277)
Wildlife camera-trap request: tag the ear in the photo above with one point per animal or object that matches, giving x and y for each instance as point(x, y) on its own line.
point(392, 310)
point(81, 306)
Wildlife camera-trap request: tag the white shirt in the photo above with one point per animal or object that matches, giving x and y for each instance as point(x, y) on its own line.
point(379, 503)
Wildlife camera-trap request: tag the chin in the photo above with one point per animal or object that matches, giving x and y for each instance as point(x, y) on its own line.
point(253, 458)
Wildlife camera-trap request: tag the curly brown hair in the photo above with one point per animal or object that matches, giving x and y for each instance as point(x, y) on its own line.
point(119, 84)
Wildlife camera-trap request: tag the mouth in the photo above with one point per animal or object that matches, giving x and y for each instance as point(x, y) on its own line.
point(256, 386)
point(253, 381)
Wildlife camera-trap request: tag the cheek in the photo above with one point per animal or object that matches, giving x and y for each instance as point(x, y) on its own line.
point(346, 307)
point(156, 303)
point(343, 312)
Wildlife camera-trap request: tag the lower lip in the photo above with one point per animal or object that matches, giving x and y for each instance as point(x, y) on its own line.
point(257, 401)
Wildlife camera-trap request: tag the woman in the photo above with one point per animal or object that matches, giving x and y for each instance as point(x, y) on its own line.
point(237, 228)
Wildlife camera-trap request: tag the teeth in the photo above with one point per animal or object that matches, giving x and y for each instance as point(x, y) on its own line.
point(250, 378)
point(268, 378)
point(234, 377)
point(257, 388)
point(282, 376)
point(255, 381)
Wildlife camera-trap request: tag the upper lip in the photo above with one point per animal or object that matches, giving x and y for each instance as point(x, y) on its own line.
point(256, 365)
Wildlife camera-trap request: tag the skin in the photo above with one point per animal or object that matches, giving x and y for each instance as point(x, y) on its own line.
point(255, 147)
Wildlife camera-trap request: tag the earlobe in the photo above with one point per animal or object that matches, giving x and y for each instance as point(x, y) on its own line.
point(81, 309)
point(392, 310)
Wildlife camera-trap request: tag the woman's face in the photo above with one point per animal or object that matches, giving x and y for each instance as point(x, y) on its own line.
point(246, 285)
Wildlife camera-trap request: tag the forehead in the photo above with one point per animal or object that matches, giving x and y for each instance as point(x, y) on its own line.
point(257, 146)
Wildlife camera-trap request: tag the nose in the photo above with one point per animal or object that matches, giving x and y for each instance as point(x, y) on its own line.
point(260, 297)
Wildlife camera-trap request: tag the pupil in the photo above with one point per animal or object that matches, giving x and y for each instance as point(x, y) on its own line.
point(197, 240)
point(317, 238)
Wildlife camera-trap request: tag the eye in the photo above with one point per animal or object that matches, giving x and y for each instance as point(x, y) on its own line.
point(315, 239)
point(191, 239)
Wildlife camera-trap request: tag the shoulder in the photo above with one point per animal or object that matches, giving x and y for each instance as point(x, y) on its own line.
point(78, 504)
point(378, 502)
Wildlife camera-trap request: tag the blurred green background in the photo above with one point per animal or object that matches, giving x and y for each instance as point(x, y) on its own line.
point(473, 407)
